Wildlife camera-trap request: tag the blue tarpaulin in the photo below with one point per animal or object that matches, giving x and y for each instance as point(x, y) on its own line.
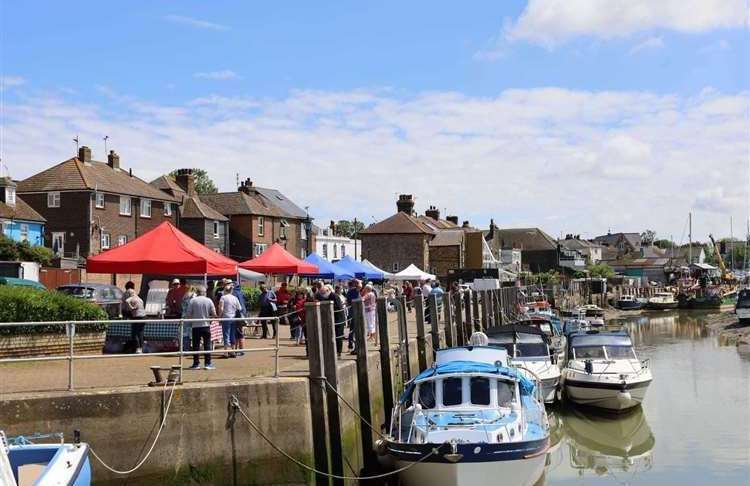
point(350, 265)
point(326, 269)
point(526, 385)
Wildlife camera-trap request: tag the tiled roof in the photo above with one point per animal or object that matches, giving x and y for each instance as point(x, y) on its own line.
point(21, 211)
point(399, 223)
point(526, 239)
point(448, 237)
point(74, 175)
point(578, 244)
point(286, 206)
point(228, 203)
point(437, 224)
point(192, 207)
point(168, 184)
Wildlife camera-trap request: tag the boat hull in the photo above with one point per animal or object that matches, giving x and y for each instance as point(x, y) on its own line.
point(629, 305)
point(520, 463)
point(549, 389)
point(661, 305)
point(609, 396)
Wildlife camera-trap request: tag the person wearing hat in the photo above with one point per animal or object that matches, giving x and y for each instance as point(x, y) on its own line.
point(177, 290)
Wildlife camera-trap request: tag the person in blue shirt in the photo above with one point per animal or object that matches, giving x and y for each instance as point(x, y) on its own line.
point(239, 342)
point(353, 293)
point(267, 302)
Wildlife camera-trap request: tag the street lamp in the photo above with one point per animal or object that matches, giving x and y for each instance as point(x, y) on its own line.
point(308, 230)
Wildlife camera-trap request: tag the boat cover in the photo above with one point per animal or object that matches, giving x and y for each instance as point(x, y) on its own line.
point(600, 339)
point(526, 385)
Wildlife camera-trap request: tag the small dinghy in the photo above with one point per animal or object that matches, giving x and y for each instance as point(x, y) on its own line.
point(603, 371)
point(23, 460)
point(471, 419)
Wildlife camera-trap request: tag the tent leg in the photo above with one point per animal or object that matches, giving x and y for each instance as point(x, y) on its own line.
point(205, 280)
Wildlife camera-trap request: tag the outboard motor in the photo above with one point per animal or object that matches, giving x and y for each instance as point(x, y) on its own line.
point(588, 366)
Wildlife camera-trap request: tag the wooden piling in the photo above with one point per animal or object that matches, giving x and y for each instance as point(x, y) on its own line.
point(330, 366)
point(448, 312)
point(485, 309)
point(475, 311)
point(421, 345)
point(501, 310)
point(317, 390)
point(435, 324)
point(403, 339)
point(497, 308)
point(385, 359)
point(469, 311)
point(459, 318)
point(363, 386)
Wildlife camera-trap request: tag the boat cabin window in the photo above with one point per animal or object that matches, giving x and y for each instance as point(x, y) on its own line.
point(529, 345)
point(504, 393)
point(480, 391)
point(452, 391)
point(619, 352)
point(588, 352)
point(426, 395)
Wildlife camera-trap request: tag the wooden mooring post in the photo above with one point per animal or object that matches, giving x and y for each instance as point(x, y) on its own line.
point(448, 311)
point(497, 307)
point(421, 344)
point(469, 311)
point(385, 359)
point(317, 390)
point(485, 309)
point(363, 387)
point(434, 324)
point(475, 311)
point(459, 318)
point(330, 366)
point(403, 339)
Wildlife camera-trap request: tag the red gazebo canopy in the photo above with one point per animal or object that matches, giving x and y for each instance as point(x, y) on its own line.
point(164, 250)
point(276, 260)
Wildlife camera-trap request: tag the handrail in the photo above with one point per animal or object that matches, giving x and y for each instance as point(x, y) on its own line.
point(71, 356)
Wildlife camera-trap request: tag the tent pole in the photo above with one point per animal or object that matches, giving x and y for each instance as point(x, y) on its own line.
point(205, 280)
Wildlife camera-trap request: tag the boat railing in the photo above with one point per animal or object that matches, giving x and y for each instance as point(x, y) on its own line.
point(71, 327)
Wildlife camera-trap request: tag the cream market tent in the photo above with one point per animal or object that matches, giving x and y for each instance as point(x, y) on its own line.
point(412, 272)
point(371, 265)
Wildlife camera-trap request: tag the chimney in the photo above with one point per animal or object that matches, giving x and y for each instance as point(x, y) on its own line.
point(186, 181)
point(433, 213)
point(405, 204)
point(113, 160)
point(453, 219)
point(491, 233)
point(245, 186)
point(84, 154)
point(465, 225)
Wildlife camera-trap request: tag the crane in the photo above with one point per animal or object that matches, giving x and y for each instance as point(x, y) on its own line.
point(726, 275)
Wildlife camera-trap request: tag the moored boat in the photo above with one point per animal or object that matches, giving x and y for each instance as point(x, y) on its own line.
point(529, 348)
point(24, 460)
point(628, 302)
point(468, 420)
point(662, 301)
point(742, 308)
point(603, 371)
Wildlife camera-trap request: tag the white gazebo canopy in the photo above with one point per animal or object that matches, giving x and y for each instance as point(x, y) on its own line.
point(368, 263)
point(412, 272)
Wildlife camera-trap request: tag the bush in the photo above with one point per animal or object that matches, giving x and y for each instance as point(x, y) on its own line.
point(11, 250)
point(252, 295)
point(25, 304)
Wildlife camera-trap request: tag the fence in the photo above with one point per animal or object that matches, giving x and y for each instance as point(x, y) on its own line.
point(71, 356)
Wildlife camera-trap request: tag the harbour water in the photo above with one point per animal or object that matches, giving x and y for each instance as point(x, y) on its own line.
point(693, 428)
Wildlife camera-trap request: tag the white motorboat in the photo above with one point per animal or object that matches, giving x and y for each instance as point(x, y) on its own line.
point(469, 420)
point(662, 301)
point(603, 371)
point(24, 460)
point(529, 349)
point(742, 308)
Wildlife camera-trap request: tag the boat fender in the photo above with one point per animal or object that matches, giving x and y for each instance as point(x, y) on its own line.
point(588, 366)
point(380, 447)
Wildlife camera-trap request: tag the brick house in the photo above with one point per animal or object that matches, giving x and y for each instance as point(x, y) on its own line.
point(259, 217)
point(195, 218)
point(91, 206)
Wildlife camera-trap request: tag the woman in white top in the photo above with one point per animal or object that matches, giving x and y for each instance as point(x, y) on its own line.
point(229, 306)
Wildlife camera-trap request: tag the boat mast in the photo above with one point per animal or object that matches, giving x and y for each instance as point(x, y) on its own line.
point(690, 238)
point(731, 241)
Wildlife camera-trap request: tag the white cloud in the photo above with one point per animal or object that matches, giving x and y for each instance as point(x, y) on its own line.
point(649, 44)
point(570, 161)
point(223, 75)
point(551, 22)
point(714, 47)
point(196, 23)
point(10, 82)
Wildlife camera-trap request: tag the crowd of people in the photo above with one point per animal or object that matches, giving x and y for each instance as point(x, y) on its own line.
point(283, 305)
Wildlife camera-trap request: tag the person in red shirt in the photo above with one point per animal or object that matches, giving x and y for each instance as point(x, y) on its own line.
point(298, 320)
point(282, 302)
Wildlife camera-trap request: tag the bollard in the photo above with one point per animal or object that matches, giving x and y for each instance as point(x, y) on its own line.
point(317, 390)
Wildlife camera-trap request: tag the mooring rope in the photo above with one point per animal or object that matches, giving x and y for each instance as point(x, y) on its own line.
point(236, 404)
point(156, 439)
point(351, 407)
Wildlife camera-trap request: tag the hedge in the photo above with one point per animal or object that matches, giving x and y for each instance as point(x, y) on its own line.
point(252, 295)
point(25, 304)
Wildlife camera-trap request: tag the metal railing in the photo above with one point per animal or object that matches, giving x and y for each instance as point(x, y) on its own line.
point(71, 356)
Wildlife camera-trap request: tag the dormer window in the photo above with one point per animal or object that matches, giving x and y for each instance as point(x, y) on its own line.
point(10, 196)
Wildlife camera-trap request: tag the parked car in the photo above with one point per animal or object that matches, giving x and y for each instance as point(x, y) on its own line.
point(108, 297)
point(21, 282)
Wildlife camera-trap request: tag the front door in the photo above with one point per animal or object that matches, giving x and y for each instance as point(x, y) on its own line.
point(58, 242)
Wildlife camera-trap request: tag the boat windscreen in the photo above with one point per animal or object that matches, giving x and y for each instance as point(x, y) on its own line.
point(588, 352)
point(480, 390)
point(601, 339)
point(452, 389)
point(619, 352)
point(743, 300)
point(426, 394)
point(531, 350)
point(504, 393)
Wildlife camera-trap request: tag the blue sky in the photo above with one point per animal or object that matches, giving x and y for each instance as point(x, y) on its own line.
point(515, 89)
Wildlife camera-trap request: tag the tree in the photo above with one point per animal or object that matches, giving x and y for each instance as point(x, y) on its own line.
point(664, 244)
point(600, 270)
point(203, 183)
point(648, 237)
point(348, 228)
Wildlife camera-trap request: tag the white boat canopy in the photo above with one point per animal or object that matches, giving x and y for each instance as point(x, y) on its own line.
point(412, 272)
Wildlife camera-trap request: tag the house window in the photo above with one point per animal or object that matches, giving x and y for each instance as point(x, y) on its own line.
point(261, 225)
point(335, 252)
point(125, 206)
point(284, 225)
point(121, 240)
point(216, 229)
point(23, 231)
point(394, 267)
point(167, 209)
point(58, 242)
point(10, 196)
point(260, 248)
point(343, 251)
point(325, 250)
point(106, 241)
point(53, 199)
point(99, 199)
point(145, 208)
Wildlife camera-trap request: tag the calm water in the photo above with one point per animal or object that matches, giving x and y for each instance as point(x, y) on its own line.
point(693, 428)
